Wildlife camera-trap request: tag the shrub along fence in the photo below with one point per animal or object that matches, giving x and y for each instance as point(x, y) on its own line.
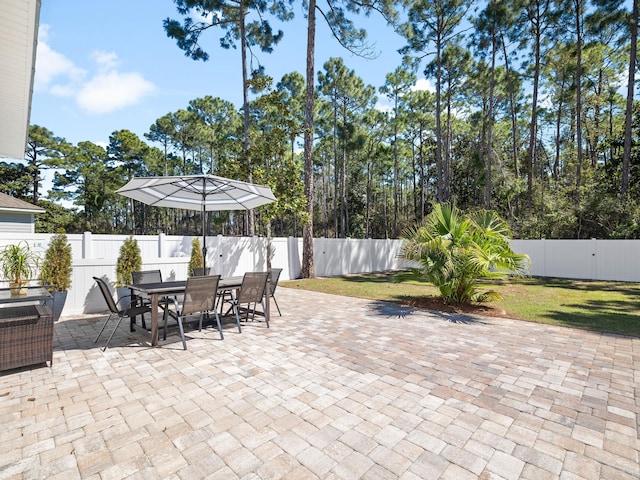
point(96, 256)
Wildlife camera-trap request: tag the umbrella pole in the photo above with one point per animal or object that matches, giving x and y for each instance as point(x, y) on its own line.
point(204, 242)
point(204, 234)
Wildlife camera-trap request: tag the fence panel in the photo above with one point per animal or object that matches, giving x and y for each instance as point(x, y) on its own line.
point(615, 260)
point(569, 259)
point(358, 255)
point(618, 260)
point(95, 255)
point(328, 256)
point(536, 251)
point(280, 256)
point(235, 256)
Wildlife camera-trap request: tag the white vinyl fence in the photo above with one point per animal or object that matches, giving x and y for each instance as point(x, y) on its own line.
point(615, 260)
point(96, 255)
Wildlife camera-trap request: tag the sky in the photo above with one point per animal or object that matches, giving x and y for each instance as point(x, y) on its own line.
point(106, 65)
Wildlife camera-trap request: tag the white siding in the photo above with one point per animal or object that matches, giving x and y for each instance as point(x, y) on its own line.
point(18, 30)
point(16, 222)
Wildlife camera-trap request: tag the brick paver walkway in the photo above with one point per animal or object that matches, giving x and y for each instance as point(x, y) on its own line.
point(338, 388)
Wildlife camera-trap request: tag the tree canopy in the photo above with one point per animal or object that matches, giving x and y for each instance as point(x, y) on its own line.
point(531, 114)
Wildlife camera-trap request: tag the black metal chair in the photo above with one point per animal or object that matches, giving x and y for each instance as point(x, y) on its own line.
point(199, 297)
point(274, 276)
point(127, 312)
point(252, 291)
point(145, 276)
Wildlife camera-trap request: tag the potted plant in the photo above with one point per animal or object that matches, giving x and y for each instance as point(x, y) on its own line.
point(19, 264)
point(56, 271)
point(196, 260)
point(129, 261)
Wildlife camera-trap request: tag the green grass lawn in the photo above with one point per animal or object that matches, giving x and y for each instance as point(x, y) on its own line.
point(608, 307)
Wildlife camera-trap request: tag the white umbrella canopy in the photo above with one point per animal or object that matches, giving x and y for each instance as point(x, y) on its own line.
point(197, 192)
point(206, 193)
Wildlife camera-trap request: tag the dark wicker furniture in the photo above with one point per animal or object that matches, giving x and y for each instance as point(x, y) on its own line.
point(26, 336)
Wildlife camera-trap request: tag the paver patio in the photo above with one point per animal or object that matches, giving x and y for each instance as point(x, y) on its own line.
point(338, 388)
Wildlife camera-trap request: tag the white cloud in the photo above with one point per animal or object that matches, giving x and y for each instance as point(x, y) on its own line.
point(423, 84)
point(105, 60)
point(108, 92)
point(384, 105)
point(63, 90)
point(53, 66)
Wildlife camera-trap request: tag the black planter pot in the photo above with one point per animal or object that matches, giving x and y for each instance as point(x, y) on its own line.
point(59, 298)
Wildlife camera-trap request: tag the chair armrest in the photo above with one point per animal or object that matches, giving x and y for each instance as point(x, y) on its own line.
point(123, 297)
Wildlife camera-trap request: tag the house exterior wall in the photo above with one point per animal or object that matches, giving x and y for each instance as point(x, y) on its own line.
point(11, 222)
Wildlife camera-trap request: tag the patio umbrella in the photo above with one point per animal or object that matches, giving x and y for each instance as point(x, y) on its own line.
point(205, 193)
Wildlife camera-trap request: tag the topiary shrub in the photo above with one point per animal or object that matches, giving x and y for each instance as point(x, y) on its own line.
point(56, 266)
point(196, 260)
point(129, 260)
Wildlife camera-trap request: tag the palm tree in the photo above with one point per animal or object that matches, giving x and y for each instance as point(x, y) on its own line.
point(455, 251)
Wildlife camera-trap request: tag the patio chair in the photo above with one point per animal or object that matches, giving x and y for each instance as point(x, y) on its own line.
point(199, 297)
point(146, 276)
point(274, 275)
point(128, 312)
point(252, 291)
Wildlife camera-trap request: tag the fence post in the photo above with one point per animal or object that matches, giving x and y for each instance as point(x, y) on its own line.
point(254, 251)
point(162, 247)
point(293, 256)
point(218, 261)
point(544, 258)
point(86, 245)
point(594, 259)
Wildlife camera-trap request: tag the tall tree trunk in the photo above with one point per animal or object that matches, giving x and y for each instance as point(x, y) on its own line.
point(307, 232)
point(512, 110)
point(595, 138)
point(556, 160)
point(368, 209)
point(533, 130)
point(488, 186)
point(626, 155)
point(578, 6)
point(414, 178)
point(447, 145)
point(611, 144)
point(326, 190)
point(344, 209)
point(336, 174)
point(35, 179)
point(251, 229)
point(422, 192)
point(442, 195)
point(396, 168)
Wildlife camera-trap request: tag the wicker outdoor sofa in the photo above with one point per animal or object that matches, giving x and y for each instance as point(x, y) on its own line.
point(26, 336)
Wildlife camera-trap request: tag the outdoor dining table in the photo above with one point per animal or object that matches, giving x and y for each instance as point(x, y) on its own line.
point(162, 289)
point(34, 294)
